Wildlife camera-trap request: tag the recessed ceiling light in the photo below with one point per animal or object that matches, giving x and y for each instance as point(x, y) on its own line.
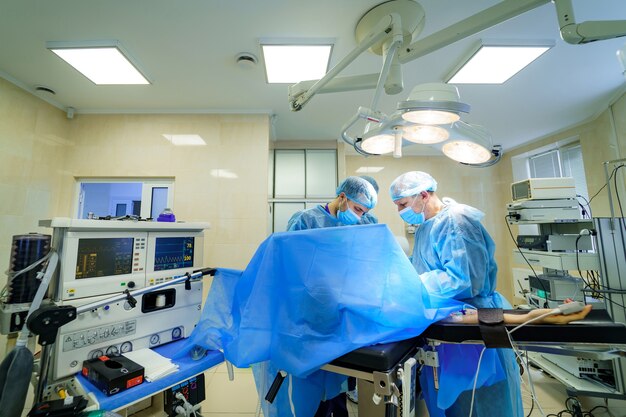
point(223, 173)
point(104, 63)
point(185, 140)
point(295, 63)
point(494, 64)
point(369, 170)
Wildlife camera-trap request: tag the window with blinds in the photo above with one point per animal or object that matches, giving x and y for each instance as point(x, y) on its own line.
point(562, 162)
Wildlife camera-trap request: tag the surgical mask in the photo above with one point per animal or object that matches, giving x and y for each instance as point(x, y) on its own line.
point(410, 216)
point(348, 217)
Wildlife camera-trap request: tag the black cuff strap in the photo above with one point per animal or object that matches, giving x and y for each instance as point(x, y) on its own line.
point(492, 330)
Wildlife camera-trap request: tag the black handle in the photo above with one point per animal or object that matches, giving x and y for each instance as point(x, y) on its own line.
point(207, 271)
point(278, 381)
point(130, 299)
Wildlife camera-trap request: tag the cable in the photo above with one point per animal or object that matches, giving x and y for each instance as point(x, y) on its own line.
point(533, 395)
point(587, 203)
point(567, 308)
point(532, 406)
point(607, 183)
point(574, 409)
point(605, 408)
point(595, 292)
point(545, 291)
point(549, 313)
point(619, 203)
point(578, 266)
point(187, 407)
point(480, 358)
point(12, 275)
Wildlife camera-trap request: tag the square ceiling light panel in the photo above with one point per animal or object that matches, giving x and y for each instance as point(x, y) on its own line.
point(495, 64)
point(102, 63)
point(185, 140)
point(294, 63)
point(369, 170)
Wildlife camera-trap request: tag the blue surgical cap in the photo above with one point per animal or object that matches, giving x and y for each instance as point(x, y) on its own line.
point(358, 190)
point(411, 183)
point(371, 181)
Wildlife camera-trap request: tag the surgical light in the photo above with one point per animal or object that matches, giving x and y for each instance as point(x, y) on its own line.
point(424, 134)
point(379, 143)
point(466, 151)
point(433, 104)
point(469, 144)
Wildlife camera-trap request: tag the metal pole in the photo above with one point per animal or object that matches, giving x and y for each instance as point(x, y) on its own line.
point(123, 296)
point(44, 364)
point(608, 189)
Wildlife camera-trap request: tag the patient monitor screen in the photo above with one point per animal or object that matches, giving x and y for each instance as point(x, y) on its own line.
point(173, 253)
point(104, 257)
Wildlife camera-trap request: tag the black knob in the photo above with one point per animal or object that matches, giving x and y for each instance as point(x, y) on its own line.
point(131, 284)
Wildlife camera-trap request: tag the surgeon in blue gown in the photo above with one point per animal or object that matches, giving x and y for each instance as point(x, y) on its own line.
point(369, 217)
point(454, 255)
point(355, 197)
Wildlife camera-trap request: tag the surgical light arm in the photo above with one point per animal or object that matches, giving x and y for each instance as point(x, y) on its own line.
point(302, 92)
point(585, 32)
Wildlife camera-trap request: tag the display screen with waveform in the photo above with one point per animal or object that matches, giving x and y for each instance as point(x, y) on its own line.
point(173, 253)
point(104, 257)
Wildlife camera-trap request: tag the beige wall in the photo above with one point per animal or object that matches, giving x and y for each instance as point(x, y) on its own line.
point(33, 145)
point(42, 152)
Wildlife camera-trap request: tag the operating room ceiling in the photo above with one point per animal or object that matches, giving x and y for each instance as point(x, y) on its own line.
point(188, 48)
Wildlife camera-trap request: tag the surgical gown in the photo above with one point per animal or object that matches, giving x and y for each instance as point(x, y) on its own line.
point(454, 255)
point(368, 218)
point(317, 218)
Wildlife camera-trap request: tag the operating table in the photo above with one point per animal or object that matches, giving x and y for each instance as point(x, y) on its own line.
point(386, 373)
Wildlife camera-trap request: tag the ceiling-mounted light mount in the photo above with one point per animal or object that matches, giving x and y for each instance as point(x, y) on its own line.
point(413, 18)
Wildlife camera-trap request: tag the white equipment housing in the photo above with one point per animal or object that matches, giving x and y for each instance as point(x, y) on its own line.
point(100, 258)
point(563, 209)
point(543, 189)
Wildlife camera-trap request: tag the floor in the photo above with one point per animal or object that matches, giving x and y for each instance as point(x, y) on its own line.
point(238, 398)
point(551, 396)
